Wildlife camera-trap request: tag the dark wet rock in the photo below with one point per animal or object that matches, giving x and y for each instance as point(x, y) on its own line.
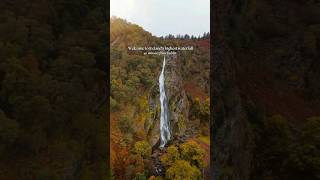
point(157, 169)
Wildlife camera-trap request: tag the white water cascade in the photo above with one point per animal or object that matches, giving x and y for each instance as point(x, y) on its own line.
point(164, 122)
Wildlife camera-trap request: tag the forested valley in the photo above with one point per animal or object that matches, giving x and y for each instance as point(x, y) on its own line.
point(135, 109)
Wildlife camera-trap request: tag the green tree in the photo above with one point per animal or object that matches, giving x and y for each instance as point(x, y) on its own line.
point(276, 145)
point(182, 170)
point(305, 156)
point(143, 149)
point(201, 109)
point(172, 154)
point(193, 153)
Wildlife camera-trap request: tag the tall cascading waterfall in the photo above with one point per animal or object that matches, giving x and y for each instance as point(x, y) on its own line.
point(164, 122)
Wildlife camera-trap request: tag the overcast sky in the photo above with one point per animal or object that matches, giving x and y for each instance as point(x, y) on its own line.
point(163, 17)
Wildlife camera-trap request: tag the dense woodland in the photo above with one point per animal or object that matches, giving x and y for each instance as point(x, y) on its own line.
point(53, 121)
point(133, 80)
point(52, 89)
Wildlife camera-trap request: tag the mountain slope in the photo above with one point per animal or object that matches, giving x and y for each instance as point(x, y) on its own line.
point(135, 108)
point(265, 61)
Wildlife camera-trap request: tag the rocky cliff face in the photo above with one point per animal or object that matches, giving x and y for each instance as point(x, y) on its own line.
point(230, 133)
point(266, 52)
point(152, 124)
point(177, 102)
point(231, 136)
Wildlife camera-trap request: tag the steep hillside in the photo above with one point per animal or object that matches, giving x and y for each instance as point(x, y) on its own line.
point(52, 90)
point(269, 53)
point(135, 106)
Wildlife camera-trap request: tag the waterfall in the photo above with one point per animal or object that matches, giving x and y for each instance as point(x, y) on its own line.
point(164, 122)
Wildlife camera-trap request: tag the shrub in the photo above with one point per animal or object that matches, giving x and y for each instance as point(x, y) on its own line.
point(140, 177)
